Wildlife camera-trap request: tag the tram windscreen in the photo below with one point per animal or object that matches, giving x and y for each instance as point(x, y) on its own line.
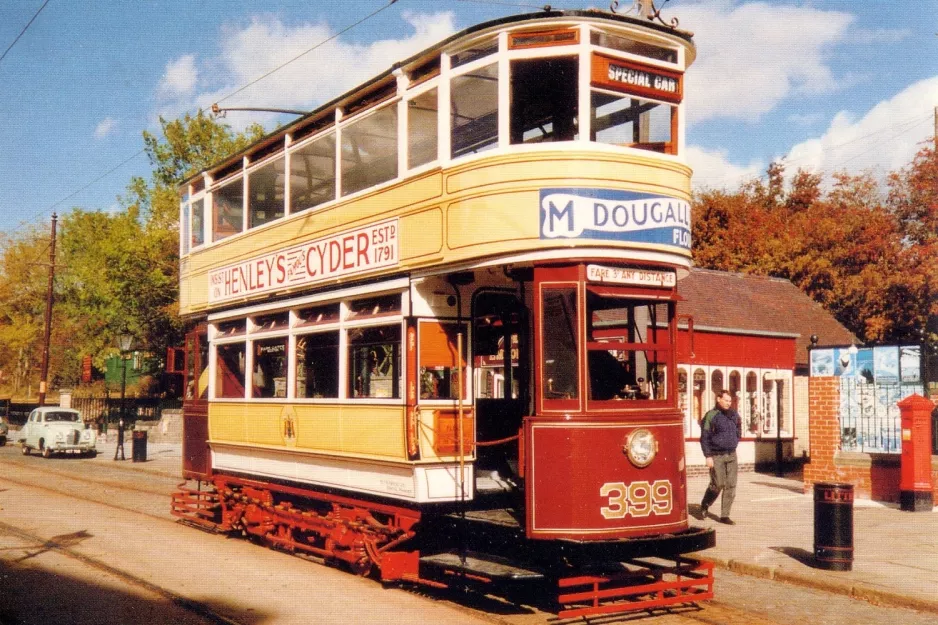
point(628, 348)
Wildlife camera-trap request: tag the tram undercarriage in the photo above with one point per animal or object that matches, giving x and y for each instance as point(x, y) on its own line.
point(484, 550)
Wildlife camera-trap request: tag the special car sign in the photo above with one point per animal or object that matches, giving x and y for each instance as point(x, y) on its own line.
point(346, 253)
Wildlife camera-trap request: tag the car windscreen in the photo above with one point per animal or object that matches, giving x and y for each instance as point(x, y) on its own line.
point(61, 416)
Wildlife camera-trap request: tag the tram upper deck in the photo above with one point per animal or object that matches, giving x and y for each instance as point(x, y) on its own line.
point(519, 138)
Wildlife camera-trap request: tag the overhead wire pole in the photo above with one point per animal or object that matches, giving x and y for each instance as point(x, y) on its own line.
point(47, 332)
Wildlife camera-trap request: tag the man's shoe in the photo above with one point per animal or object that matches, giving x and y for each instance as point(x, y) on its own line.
point(704, 511)
point(725, 520)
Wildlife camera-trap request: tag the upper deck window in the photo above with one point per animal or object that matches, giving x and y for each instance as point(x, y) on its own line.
point(312, 173)
point(540, 39)
point(544, 97)
point(476, 51)
point(198, 222)
point(627, 121)
point(369, 151)
point(422, 136)
point(474, 111)
point(623, 44)
point(229, 209)
point(266, 186)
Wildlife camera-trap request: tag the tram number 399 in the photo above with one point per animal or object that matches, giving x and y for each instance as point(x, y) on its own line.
point(638, 499)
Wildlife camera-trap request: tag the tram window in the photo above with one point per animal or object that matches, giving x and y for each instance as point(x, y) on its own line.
point(422, 139)
point(474, 111)
point(269, 378)
point(229, 209)
point(229, 370)
point(369, 151)
point(630, 121)
point(230, 328)
point(631, 46)
point(559, 331)
point(439, 359)
point(316, 315)
point(317, 365)
point(198, 223)
point(544, 100)
point(185, 233)
point(275, 321)
point(266, 188)
point(374, 361)
point(628, 348)
point(477, 51)
point(312, 173)
point(375, 306)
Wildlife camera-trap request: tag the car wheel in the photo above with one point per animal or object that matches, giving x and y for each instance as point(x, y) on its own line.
point(3, 441)
point(46, 452)
point(25, 450)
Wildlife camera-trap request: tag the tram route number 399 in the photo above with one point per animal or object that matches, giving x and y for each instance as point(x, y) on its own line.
point(637, 499)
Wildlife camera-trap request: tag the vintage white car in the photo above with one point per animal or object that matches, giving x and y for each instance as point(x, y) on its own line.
point(51, 430)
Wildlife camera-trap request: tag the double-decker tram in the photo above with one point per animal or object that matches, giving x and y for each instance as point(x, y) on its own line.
point(434, 321)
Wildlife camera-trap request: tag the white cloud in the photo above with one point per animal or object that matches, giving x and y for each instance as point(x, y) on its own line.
point(105, 127)
point(315, 76)
point(713, 170)
point(180, 77)
point(745, 69)
point(884, 139)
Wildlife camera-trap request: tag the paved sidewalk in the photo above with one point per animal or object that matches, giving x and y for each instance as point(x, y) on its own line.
point(895, 552)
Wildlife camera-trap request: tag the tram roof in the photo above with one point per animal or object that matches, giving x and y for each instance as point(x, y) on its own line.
point(278, 134)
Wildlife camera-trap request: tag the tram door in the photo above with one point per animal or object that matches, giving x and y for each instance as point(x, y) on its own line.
point(500, 361)
point(196, 459)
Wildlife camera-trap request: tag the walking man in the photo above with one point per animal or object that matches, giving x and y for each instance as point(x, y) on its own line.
point(120, 440)
point(720, 430)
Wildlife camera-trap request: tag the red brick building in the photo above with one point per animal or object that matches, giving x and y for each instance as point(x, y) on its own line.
point(750, 335)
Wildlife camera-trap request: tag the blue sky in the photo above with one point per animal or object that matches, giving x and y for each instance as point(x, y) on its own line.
point(828, 85)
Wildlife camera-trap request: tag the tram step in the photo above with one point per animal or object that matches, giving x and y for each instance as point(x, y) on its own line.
point(479, 566)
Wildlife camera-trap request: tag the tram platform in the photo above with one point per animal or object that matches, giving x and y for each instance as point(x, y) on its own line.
point(895, 553)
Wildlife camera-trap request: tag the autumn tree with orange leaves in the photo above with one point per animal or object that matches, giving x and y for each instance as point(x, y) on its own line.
point(868, 255)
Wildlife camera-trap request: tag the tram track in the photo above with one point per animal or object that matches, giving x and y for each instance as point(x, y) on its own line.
point(189, 605)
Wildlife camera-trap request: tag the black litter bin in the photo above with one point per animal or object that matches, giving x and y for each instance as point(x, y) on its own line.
point(833, 526)
point(139, 452)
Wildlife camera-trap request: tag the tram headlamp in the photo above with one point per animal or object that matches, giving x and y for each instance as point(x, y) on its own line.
point(641, 447)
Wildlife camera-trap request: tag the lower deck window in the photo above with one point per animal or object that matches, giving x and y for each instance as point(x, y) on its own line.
point(374, 362)
point(317, 365)
point(270, 368)
point(229, 370)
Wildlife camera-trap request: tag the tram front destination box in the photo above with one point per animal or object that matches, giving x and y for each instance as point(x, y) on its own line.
point(833, 526)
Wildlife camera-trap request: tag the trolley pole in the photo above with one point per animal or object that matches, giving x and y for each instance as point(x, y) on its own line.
point(47, 332)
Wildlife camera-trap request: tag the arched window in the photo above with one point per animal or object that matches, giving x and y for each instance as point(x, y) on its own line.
point(753, 423)
point(700, 387)
point(734, 389)
point(683, 399)
point(769, 404)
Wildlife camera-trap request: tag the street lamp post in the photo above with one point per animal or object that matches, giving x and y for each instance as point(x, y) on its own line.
point(124, 342)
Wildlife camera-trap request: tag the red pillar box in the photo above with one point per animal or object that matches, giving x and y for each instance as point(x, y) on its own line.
point(915, 482)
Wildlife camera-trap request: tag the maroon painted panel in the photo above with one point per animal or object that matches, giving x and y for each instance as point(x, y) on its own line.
point(196, 457)
point(736, 350)
point(582, 485)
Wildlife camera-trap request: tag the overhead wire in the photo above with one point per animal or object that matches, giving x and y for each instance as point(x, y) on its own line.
point(255, 81)
point(22, 32)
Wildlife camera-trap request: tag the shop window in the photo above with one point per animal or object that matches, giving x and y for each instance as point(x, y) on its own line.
point(544, 100)
point(629, 121)
point(753, 426)
point(422, 136)
point(269, 378)
point(229, 370)
point(439, 360)
point(229, 209)
point(317, 365)
point(266, 187)
point(369, 151)
point(474, 111)
point(312, 173)
point(198, 223)
point(559, 331)
point(374, 362)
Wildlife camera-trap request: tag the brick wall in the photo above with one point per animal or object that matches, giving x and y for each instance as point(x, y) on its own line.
point(874, 476)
